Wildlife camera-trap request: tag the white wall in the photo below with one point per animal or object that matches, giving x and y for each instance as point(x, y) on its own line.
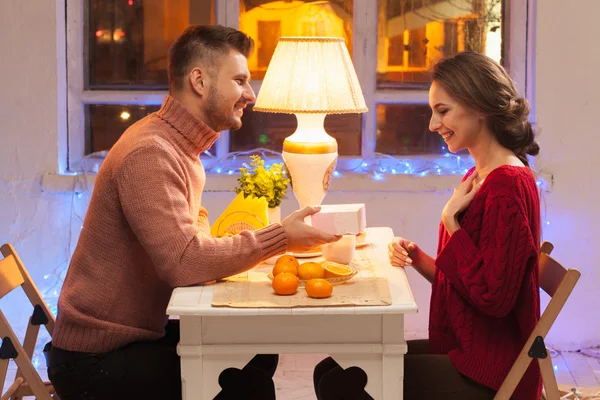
point(568, 94)
point(36, 223)
point(567, 102)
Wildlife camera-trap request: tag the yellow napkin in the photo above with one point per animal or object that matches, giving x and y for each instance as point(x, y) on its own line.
point(248, 213)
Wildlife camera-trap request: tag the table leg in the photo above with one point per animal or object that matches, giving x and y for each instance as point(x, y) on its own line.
point(393, 377)
point(190, 353)
point(191, 373)
point(394, 349)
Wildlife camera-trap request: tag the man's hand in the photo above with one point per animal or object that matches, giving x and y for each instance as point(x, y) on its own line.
point(303, 237)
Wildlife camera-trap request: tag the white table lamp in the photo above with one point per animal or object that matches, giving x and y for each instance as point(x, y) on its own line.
point(310, 77)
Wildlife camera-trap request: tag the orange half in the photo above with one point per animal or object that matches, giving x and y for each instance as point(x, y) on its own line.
point(335, 270)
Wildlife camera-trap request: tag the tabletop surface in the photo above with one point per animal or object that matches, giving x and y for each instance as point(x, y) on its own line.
point(196, 300)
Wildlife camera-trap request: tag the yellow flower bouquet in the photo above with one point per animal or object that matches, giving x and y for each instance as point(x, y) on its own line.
point(260, 181)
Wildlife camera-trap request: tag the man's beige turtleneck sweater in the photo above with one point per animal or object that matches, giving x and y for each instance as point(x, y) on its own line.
point(146, 233)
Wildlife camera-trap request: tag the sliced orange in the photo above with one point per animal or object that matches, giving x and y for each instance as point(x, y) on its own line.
point(335, 270)
point(318, 288)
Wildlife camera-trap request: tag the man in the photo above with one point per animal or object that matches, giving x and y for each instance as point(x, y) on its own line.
point(146, 233)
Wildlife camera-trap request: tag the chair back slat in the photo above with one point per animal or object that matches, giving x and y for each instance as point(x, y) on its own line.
point(551, 273)
point(546, 247)
point(10, 276)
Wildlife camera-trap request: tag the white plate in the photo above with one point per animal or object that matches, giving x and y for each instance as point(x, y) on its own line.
point(320, 253)
point(306, 255)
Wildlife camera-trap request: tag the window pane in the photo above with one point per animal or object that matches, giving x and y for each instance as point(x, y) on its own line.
point(414, 34)
point(268, 130)
point(127, 40)
point(267, 21)
point(403, 129)
point(106, 123)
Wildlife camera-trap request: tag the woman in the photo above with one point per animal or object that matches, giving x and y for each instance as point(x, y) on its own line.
point(485, 286)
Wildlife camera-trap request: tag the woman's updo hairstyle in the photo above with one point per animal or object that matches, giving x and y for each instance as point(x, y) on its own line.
point(478, 82)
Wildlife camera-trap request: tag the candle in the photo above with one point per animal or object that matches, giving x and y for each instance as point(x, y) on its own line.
point(341, 251)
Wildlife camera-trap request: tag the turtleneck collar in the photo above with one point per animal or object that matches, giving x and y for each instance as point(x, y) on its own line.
point(179, 117)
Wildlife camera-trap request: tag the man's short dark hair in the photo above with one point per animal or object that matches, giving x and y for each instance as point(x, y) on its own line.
point(203, 44)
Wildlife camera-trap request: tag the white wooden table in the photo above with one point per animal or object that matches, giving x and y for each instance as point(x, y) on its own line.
point(213, 339)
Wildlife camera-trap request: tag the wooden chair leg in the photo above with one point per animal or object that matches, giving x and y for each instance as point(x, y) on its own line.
point(3, 370)
point(23, 362)
point(31, 336)
point(13, 388)
point(549, 379)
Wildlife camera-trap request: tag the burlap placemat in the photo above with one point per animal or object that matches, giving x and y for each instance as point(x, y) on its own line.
point(369, 287)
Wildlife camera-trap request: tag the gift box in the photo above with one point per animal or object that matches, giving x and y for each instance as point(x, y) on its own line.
point(341, 219)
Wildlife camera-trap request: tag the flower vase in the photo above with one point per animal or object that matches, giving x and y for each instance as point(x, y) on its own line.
point(274, 214)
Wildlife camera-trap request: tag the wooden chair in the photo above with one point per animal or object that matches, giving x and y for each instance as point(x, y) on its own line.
point(27, 381)
point(558, 282)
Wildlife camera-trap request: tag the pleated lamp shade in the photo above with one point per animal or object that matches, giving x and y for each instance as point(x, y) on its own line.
point(310, 75)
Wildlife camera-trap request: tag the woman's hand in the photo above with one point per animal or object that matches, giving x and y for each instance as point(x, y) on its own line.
point(402, 252)
point(460, 200)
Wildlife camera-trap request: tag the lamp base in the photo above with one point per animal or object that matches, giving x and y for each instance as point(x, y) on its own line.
point(310, 175)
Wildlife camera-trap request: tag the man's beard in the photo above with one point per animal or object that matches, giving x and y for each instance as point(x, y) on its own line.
point(220, 116)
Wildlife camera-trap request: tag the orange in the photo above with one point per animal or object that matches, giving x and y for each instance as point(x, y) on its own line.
point(311, 270)
point(286, 263)
point(285, 283)
point(335, 270)
point(318, 288)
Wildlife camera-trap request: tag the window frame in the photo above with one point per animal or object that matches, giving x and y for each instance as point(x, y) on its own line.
point(517, 45)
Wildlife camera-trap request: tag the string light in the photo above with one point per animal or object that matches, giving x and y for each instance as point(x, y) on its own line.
point(377, 166)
